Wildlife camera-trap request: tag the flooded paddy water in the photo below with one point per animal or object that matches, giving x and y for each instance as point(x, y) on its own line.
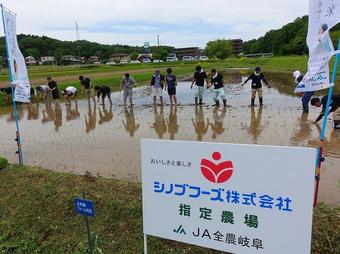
point(105, 141)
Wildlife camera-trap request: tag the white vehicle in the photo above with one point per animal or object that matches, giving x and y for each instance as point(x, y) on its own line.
point(96, 63)
point(110, 63)
point(135, 62)
point(146, 60)
point(123, 62)
point(171, 59)
point(203, 58)
point(157, 61)
point(188, 58)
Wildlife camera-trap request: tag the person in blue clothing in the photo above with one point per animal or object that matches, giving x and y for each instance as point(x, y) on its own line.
point(170, 85)
point(256, 85)
point(306, 96)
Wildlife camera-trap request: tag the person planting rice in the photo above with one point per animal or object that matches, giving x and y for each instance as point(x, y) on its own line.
point(306, 96)
point(170, 85)
point(43, 91)
point(199, 77)
point(70, 93)
point(127, 84)
point(33, 95)
point(87, 87)
point(334, 105)
point(52, 84)
point(256, 85)
point(103, 91)
point(218, 83)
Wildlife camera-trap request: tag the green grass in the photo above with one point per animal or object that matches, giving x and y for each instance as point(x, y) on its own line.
point(37, 216)
point(288, 63)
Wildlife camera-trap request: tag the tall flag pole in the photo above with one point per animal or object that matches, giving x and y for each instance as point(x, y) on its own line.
point(323, 15)
point(320, 159)
point(20, 85)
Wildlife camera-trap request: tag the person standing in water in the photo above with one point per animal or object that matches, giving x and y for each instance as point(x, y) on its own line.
point(199, 77)
point(157, 84)
point(306, 96)
point(170, 85)
point(256, 85)
point(127, 84)
point(218, 83)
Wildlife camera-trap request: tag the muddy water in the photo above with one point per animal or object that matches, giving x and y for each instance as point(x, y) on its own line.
point(106, 140)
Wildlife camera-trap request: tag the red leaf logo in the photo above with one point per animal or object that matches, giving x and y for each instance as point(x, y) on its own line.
point(216, 173)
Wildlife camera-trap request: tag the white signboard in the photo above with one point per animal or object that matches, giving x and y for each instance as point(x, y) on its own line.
point(16, 60)
point(234, 198)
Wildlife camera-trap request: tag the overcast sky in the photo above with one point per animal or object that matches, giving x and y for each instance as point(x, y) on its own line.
point(178, 22)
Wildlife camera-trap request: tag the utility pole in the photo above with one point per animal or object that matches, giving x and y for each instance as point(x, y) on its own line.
point(159, 53)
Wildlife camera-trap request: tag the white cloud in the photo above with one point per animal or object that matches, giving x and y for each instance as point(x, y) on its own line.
point(244, 19)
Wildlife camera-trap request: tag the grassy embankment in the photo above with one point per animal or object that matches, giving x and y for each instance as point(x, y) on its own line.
point(37, 216)
point(111, 75)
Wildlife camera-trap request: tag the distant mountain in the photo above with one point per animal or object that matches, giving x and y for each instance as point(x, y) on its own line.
point(38, 46)
point(288, 40)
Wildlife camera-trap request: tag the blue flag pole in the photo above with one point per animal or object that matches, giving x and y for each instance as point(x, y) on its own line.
point(17, 139)
point(319, 158)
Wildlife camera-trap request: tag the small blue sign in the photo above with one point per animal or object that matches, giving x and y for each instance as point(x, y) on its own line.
point(84, 207)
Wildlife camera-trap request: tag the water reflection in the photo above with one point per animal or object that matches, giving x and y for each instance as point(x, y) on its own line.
point(217, 126)
point(105, 115)
point(90, 118)
point(201, 128)
point(20, 112)
point(33, 111)
point(304, 131)
point(48, 114)
point(72, 113)
point(172, 122)
point(130, 122)
point(159, 124)
point(255, 127)
point(58, 119)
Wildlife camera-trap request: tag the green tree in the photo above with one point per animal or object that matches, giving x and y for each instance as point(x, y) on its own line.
point(33, 52)
point(220, 48)
point(163, 54)
point(58, 54)
point(134, 55)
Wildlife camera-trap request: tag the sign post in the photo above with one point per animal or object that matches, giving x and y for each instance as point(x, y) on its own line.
point(13, 53)
point(229, 197)
point(85, 208)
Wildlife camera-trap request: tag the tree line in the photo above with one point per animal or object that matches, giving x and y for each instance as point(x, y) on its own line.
point(288, 40)
point(38, 46)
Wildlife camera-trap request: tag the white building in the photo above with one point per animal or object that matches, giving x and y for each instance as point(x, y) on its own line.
point(47, 59)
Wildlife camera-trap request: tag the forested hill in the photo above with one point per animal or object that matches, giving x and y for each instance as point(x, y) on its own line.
point(288, 40)
point(38, 46)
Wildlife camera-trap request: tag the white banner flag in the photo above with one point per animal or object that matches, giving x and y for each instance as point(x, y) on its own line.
point(16, 62)
point(323, 15)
